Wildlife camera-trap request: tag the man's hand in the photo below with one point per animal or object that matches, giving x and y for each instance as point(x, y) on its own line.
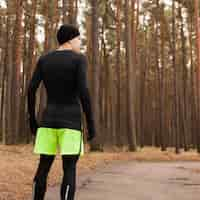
point(90, 136)
point(91, 133)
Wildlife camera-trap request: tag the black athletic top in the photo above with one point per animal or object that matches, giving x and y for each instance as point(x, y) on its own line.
point(64, 74)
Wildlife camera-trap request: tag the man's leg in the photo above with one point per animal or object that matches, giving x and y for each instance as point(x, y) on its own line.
point(68, 186)
point(40, 178)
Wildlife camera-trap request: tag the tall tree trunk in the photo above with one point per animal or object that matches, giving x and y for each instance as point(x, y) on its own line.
point(17, 63)
point(119, 141)
point(3, 76)
point(198, 69)
point(131, 133)
point(176, 103)
point(96, 144)
point(7, 137)
point(28, 69)
point(158, 94)
point(183, 100)
point(162, 86)
point(70, 11)
point(64, 11)
point(142, 89)
point(192, 102)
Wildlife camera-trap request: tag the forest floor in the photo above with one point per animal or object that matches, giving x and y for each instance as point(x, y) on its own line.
point(18, 165)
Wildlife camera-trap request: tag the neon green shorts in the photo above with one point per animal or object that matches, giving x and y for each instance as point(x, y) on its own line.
point(69, 141)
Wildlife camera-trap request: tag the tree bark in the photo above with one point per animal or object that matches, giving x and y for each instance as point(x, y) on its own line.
point(131, 123)
point(96, 144)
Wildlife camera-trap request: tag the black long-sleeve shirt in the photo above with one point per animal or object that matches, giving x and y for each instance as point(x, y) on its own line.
point(63, 73)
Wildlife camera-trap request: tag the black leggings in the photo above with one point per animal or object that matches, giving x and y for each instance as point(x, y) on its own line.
point(68, 186)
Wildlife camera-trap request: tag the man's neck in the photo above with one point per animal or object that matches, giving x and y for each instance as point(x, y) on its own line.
point(64, 47)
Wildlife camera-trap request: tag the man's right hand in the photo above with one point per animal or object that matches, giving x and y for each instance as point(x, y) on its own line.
point(90, 137)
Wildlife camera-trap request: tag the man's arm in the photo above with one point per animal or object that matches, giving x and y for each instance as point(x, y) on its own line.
point(32, 88)
point(84, 95)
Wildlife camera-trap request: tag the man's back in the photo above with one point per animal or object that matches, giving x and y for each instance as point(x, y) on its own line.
point(59, 69)
point(63, 73)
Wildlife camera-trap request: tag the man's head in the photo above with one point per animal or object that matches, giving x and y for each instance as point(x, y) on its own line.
point(70, 35)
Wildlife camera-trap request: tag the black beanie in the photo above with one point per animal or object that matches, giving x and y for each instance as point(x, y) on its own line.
point(67, 32)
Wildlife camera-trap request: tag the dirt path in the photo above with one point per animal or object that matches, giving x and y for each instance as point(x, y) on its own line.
point(133, 180)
